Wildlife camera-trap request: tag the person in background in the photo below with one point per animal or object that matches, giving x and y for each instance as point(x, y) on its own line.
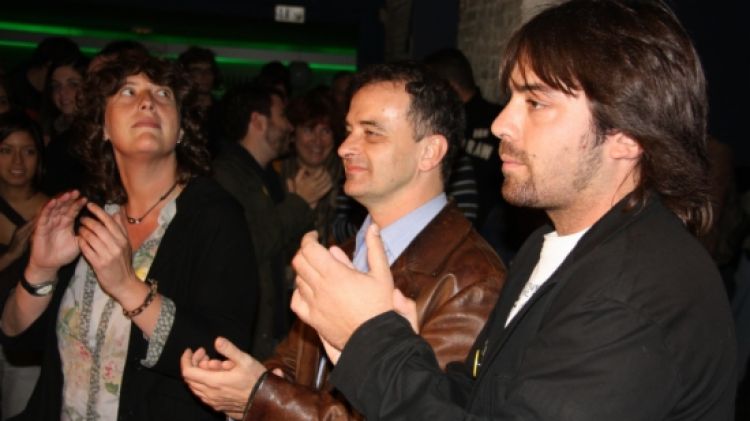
point(166, 263)
point(21, 151)
point(26, 82)
point(317, 133)
point(257, 132)
point(275, 75)
point(64, 171)
point(200, 64)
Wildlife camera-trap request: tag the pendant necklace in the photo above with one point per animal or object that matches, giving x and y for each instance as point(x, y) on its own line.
point(136, 221)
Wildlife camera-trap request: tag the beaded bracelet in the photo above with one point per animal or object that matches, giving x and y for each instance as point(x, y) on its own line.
point(149, 299)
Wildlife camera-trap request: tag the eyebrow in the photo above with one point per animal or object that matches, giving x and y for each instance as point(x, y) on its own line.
point(369, 123)
point(530, 87)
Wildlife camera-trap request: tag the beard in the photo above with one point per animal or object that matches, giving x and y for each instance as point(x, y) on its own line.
point(531, 193)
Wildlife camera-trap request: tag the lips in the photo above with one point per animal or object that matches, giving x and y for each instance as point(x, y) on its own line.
point(148, 123)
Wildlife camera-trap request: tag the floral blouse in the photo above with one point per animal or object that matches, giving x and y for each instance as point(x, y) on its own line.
point(93, 334)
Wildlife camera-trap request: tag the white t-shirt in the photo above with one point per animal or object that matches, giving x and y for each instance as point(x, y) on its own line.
point(554, 250)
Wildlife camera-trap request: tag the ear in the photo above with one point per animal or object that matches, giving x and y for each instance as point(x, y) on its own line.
point(622, 146)
point(105, 133)
point(258, 122)
point(434, 148)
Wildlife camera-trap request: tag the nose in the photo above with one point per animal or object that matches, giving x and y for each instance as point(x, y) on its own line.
point(502, 125)
point(349, 146)
point(17, 157)
point(146, 101)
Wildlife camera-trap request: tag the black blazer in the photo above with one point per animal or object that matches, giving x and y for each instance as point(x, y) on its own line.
point(206, 265)
point(634, 325)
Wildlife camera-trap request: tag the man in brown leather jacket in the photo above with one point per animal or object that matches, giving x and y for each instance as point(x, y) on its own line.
point(404, 126)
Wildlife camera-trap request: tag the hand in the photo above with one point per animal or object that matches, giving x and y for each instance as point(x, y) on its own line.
point(333, 353)
point(20, 239)
point(223, 385)
point(333, 297)
point(311, 186)
point(407, 308)
point(104, 243)
point(53, 243)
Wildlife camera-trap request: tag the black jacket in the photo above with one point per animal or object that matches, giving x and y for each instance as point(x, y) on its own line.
point(634, 325)
point(205, 264)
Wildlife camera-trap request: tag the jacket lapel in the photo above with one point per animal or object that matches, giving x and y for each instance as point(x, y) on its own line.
point(520, 271)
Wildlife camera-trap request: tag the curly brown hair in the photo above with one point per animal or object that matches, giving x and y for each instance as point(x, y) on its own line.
point(97, 155)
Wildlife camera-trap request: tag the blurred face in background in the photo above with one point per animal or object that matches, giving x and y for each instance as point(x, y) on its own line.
point(313, 142)
point(19, 159)
point(202, 76)
point(65, 83)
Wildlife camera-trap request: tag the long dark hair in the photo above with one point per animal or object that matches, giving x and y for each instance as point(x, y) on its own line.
point(642, 77)
point(97, 155)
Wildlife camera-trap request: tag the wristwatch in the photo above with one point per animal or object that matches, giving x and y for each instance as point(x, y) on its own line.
point(38, 290)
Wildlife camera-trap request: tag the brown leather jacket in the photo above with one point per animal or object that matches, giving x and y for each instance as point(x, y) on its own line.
point(454, 277)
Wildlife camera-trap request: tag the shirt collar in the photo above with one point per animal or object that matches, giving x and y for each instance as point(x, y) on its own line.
point(398, 235)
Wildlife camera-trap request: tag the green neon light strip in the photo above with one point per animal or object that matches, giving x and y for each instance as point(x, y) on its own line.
point(219, 59)
point(166, 39)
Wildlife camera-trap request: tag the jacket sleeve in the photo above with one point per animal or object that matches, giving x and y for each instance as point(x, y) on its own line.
point(217, 292)
point(450, 322)
point(598, 361)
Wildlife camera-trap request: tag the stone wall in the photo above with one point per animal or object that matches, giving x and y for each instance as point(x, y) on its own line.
point(484, 27)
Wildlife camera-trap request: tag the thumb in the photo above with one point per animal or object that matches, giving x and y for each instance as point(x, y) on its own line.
point(376, 256)
point(226, 348)
point(339, 255)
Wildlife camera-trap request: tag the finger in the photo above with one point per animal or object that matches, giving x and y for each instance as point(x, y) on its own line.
point(102, 238)
point(305, 291)
point(226, 348)
point(376, 256)
point(213, 365)
point(341, 256)
point(198, 356)
point(300, 307)
point(106, 220)
point(278, 372)
point(309, 238)
point(89, 240)
point(186, 360)
point(89, 253)
point(407, 308)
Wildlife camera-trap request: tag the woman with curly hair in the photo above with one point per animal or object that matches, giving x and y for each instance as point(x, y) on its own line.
point(167, 262)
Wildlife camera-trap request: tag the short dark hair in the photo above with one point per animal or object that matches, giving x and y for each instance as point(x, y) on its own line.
point(434, 107)
point(237, 107)
point(97, 155)
point(17, 121)
point(642, 77)
point(452, 65)
point(201, 55)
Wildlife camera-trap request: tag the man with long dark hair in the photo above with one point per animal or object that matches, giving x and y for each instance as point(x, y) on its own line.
point(615, 312)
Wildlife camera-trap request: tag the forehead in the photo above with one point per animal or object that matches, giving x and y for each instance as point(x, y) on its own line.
point(387, 100)
point(65, 72)
point(19, 137)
